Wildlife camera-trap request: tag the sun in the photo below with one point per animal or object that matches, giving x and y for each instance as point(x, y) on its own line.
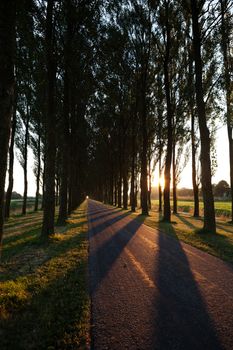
point(156, 181)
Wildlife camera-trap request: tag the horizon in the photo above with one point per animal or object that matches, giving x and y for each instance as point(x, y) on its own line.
point(222, 171)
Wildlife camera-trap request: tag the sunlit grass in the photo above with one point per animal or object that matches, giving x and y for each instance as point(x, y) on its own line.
point(222, 208)
point(186, 228)
point(43, 291)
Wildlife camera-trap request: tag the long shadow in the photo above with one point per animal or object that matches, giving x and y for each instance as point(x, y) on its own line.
point(185, 221)
point(102, 259)
point(34, 240)
point(103, 209)
point(19, 236)
point(23, 222)
point(221, 244)
point(106, 223)
point(182, 319)
point(106, 213)
point(50, 315)
point(224, 227)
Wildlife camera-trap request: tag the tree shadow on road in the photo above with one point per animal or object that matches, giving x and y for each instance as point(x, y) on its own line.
point(103, 224)
point(182, 319)
point(110, 250)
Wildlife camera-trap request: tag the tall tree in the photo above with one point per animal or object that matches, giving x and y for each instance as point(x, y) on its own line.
point(167, 83)
point(226, 31)
point(63, 209)
point(208, 199)
point(7, 53)
point(50, 122)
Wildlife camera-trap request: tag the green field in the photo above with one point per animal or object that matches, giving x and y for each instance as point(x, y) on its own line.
point(16, 205)
point(222, 208)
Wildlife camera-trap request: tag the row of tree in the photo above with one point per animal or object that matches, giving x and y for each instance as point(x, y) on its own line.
point(167, 84)
point(106, 91)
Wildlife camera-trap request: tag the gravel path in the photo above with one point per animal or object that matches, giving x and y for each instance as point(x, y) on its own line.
point(150, 291)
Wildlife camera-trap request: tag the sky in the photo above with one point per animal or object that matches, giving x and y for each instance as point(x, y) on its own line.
point(222, 172)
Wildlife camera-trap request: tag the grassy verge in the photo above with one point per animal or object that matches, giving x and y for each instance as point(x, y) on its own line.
point(186, 228)
point(43, 286)
point(222, 208)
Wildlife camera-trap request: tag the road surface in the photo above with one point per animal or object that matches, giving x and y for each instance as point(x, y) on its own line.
point(150, 291)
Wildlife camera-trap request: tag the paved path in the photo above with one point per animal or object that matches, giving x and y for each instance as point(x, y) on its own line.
point(150, 291)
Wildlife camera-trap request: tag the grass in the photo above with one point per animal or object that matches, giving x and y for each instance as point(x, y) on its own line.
point(186, 228)
point(44, 302)
point(16, 205)
point(222, 208)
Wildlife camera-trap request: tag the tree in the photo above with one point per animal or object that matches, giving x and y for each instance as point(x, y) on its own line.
point(208, 200)
point(63, 209)
point(7, 53)
point(226, 32)
point(222, 189)
point(50, 122)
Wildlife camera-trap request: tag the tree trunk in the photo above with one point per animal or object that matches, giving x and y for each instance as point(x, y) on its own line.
point(57, 184)
point(7, 44)
point(119, 191)
point(208, 199)
point(125, 190)
point(167, 171)
point(11, 165)
point(115, 190)
point(132, 182)
point(43, 187)
point(160, 176)
point(38, 176)
point(193, 138)
point(149, 187)
point(144, 186)
point(50, 145)
point(69, 198)
point(136, 193)
point(194, 173)
point(227, 81)
point(25, 165)
point(174, 187)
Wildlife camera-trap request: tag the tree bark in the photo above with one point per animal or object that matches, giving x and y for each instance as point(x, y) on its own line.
point(125, 191)
point(38, 175)
point(7, 45)
point(143, 112)
point(160, 175)
point(208, 199)
point(194, 172)
point(119, 183)
point(11, 165)
point(50, 145)
point(25, 164)
point(174, 186)
point(132, 182)
point(196, 212)
point(228, 89)
point(43, 186)
point(167, 171)
point(115, 190)
point(150, 185)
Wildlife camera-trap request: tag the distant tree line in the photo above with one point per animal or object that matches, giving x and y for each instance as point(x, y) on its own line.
point(105, 92)
point(221, 190)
